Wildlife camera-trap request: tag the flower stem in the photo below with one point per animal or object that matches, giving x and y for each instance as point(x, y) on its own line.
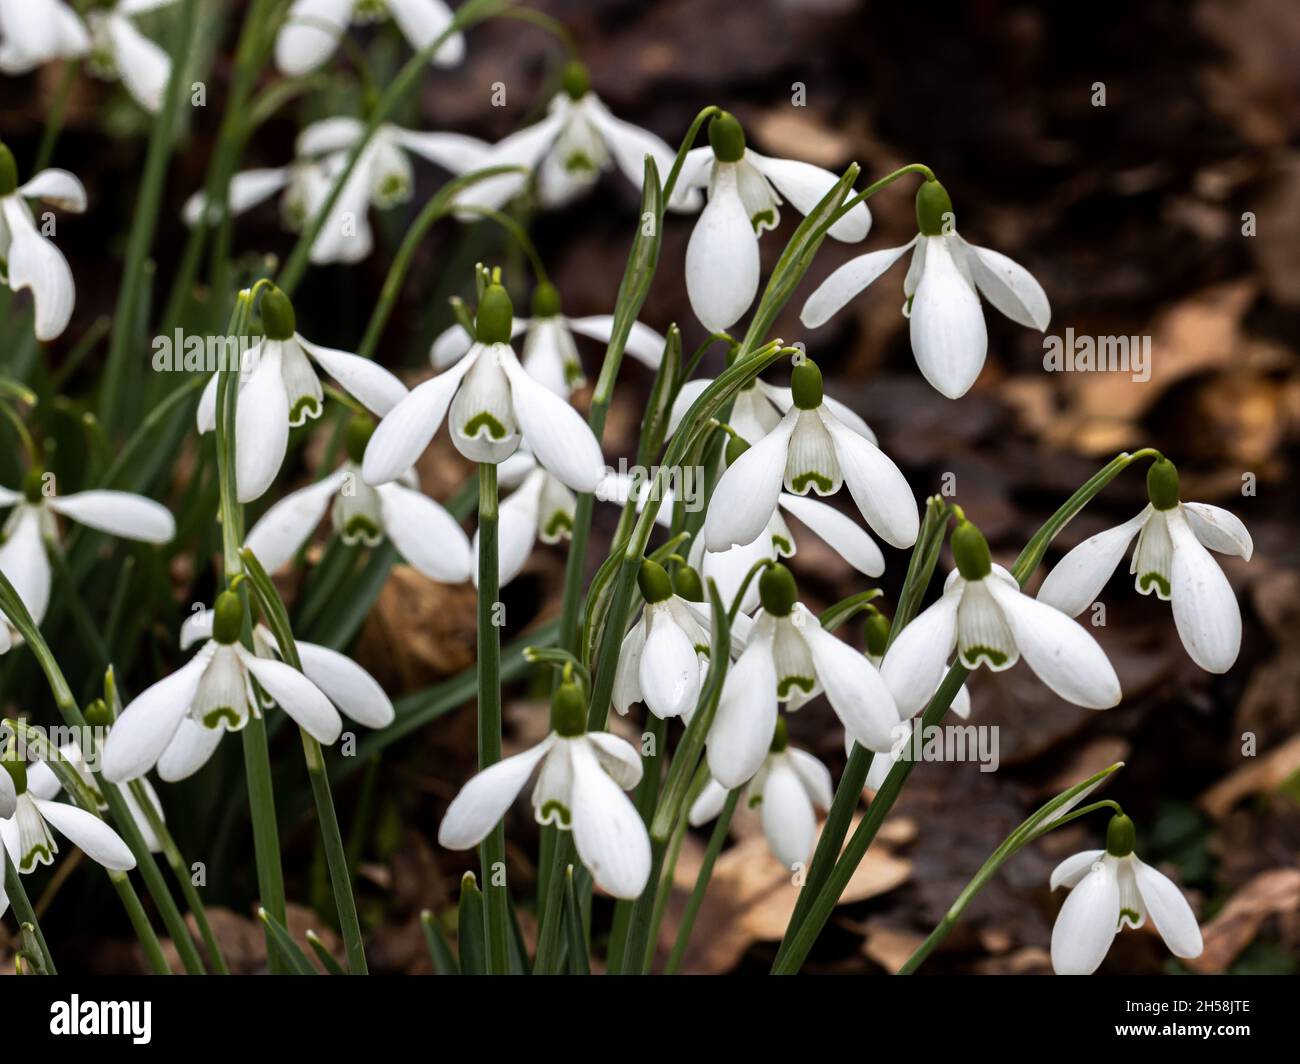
point(492, 852)
point(54, 123)
point(716, 841)
point(24, 912)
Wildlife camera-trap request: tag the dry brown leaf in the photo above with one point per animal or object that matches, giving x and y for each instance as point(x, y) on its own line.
point(888, 946)
point(1265, 775)
point(1236, 926)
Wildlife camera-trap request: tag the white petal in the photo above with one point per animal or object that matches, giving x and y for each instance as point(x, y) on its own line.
point(629, 146)
point(365, 380)
point(550, 356)
point(524, 149)
point(949, 339)
point(805, 185)
point(556, 434)
point(296, 695)
point(686, 396)
point(917, 659)
point(1168, 910)
point(450, 345)
point(452, 151)
point(1205, 609)
point(643, 343)
point(59, 188)
point(617, 757)
point(841, 533)
point(483, 801)
point(247, 189)
point(876, 484)
point(517, 522)
point(196, 627)
point(310, 34)
point(189, 750)
point(24, 561)
point(261, 426)
point(846, 282)
point(89, 834)
point(783, 398)
point(287, 525)
point(1087, 923)
point(815, 776)
point(746, 494)
point(709, 804)
point(1079, 577)
point(608, 831)
point(425, 534)
point(119, 513)
point(147, 725)
point(8, 798)
point(329, 135)
point(144, 67)
point(627, 675)
point(788, 818)
point(1061, 651)
point(746, 717)
point(854, 688)
point(347, 685)
point(35, 263)
point(1070, 871)
point(722, 265)
point(1008, 286)
point(406, 431)
point(1218, 529)
point(669, 671)
point(421, 22)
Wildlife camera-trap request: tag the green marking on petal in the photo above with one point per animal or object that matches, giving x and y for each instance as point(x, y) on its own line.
point(763, 218)
point(970, 657)
point(755, 801)
point(804, 481)
point(38, 854)
point(580, 163)
point(486, 421)
point(560, 811)
point(786, 685)
point(308, 406)
point(359, 527)
point(783, 545)
point(1147, 581)
point(214, 717)
point(573, 373)
point(559, 523)
point(701, 648)
point(393, 187)
point(1132, 916)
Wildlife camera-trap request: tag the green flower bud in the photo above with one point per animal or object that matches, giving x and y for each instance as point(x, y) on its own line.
point(569, 710)
point(971, 552)
point(777, 591)
point(653, 580)
point(806, 385)
point(34, 485)
point(495, 315)
point(932, 203)
point(1120, 836)
point(726, 138)
point(1162, 484)
point(17, 770)
point(228, 619)
point(875, 631)
point(8, 171)
point(546, 300)
point(575, 81)
point(780, 736)
point(97, 714)
point(736, 446)
point(360, 429)
point(688, 585)
point(278, 322)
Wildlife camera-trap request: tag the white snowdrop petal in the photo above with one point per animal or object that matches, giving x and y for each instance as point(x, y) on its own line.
point(815, 777)
point(406, 430)
point(789, 821)
point(425, 534)
point(1218, 529)
point(88, 833)
point(24, 561)
point(345, 683)
point(917, 659)
point(449, 346)
point(1070, 871)
point(143, 66)
point(618, 757)
point(1205, 609)
point(608, 832)
point(855, 690)
point(1087, 923)
point(876, 484)
point(746, 715)
point(147, 725)
point(59, 188)
point(1077, 579)
point(722, 265)
point(709, 804)
point(686, 396)
point(421, 22)
point(119, 513)
point(1008, 286)
point(627, 675)
point(1168, 910)
point(559, 438)
point(8, 799)
point(261, 426)
point(289, 523)
point(484, 800)
point(630, 144)
point(949, 338)
point(34, 262)
point(246, 190)
point(523, 148)
point(310, 34)
point(804, 186)
point(365, 380)
point(189, 750)
point(746, 494)
point(841, 533)
point(296, 695)
point(1060, 650)
point(197, 627)
point(669, 670)
point(846, 282)
point(643, 343)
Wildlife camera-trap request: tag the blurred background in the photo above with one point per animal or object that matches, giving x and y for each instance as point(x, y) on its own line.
point(1170, 212)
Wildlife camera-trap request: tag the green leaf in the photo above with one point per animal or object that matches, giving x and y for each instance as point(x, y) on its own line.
point(444, 961)
point(579, 964)
point(289, 952)
point(469, 928)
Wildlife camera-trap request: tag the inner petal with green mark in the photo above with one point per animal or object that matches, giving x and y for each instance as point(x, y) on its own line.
point(810, 463)
point(214, 718)
point(555, 812)
point(983, 636)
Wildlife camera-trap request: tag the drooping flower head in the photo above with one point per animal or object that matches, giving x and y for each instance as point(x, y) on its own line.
point(1172, 561)
point(312, 28)
point(119, 50)
point(941, 291)
point(35, 32)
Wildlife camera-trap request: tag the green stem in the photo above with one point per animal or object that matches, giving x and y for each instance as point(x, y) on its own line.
point(54, 123)
point(140, 923)
point(24, 912)
point(692, 910)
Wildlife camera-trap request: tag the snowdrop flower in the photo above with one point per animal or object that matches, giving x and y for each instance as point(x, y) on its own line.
point(790, 658)
point(1111, 888)
point(26, 831)
point(494, 406)
point(283, 391)
point(119, 50)
point(97, 715)
point(569, 149)
point(311, 30)
point(34, 32)
point(1171, 560)
point(787, 790)
point(382, 178)
point(730, 567)
point(579, 789)
point(949, 338)
point(550, 353)
point(177, 723)
point(990, 621)
point(22, 553)
point(29, 259)
point(722, 264)
point(426, 536)
point(809, 449)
